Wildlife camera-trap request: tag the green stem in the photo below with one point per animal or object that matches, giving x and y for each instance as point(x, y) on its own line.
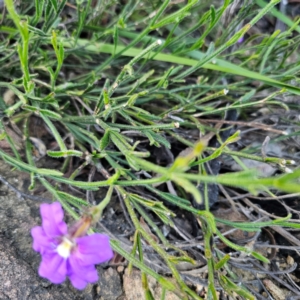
point(101, 206)
point(55, 133)
point(220, 65)
point(161, 280)
point(154, 245)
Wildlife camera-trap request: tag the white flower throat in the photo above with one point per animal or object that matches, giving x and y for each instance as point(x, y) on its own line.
point(64, 248)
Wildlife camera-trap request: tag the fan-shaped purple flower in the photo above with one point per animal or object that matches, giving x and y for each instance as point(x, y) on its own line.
point(64, 255)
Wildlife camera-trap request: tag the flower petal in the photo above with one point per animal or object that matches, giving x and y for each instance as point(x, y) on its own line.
point(77, 282)
point(93, 249)
point(53, 267)
point(88, 273)
point(41, 242)
point(52, 219)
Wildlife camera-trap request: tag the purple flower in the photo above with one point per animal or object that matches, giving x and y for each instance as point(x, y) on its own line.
point(64, 254)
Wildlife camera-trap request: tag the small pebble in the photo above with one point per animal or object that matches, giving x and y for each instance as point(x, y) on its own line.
point(120, 269)
point(290, 260)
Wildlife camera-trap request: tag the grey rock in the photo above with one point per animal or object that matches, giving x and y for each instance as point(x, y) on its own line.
point(19, 280)
point(110, 287)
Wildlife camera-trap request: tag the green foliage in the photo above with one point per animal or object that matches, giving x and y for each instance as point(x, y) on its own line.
point(101, 78)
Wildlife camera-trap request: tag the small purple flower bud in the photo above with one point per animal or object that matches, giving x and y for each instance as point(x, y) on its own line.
point(66, 255)
point(240, 40)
